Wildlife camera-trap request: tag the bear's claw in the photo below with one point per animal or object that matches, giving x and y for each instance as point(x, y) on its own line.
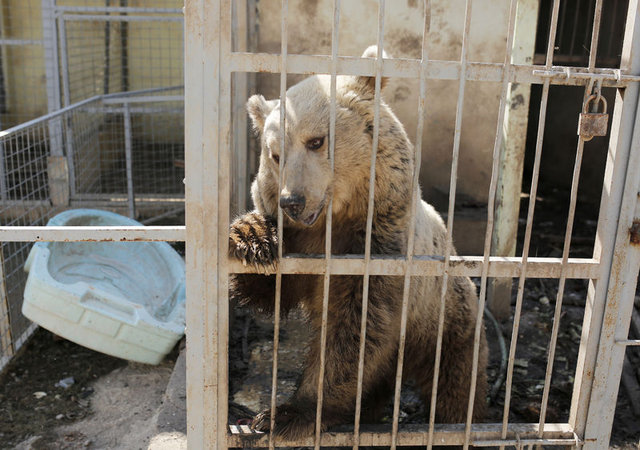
point(253, 239)
point(291, 422)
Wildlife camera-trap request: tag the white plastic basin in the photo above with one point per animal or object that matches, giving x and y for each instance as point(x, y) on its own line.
point(126, 299)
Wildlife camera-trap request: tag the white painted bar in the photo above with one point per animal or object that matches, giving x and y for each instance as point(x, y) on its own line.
point(499, 266)
point(438, 69)
point(417, 434)
point(378, 63)
point(491, 217)
point(104, 233)
point(328, 225)
point(528, 229)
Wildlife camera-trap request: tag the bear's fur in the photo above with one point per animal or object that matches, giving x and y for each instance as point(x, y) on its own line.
point(308, 174)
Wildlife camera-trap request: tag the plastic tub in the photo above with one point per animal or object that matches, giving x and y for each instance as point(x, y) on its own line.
point(125, 299)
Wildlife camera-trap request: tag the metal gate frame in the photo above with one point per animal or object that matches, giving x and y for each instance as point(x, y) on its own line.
point(209, 63)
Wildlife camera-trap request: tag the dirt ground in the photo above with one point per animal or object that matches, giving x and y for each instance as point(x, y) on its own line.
point(112, 404)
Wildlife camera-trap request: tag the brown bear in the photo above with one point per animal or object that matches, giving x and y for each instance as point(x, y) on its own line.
point(308, 184)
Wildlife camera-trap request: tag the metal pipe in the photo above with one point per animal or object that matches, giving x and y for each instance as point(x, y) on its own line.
point(128, 151)
point(327, 248)
point(369, 225)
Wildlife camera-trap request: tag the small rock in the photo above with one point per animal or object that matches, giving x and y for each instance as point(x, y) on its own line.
point(39, 394)
point(544, 300)
point(60, 417)
point(65, 382)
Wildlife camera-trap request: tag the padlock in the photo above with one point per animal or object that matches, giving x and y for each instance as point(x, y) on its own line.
point(593, 124)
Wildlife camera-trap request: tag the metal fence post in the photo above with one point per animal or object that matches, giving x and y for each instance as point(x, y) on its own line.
point(207, 122)
point(620, 146)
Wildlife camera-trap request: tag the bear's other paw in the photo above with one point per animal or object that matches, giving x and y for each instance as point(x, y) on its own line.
point(292, 422)
point(253, 239)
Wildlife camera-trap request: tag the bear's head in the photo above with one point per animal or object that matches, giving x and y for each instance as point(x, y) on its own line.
point(308, 181)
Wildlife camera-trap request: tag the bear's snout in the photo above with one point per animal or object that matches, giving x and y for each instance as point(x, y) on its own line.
point(293, 205)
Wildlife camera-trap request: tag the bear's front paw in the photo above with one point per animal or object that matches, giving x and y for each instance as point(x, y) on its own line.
point(253, 239)
point(291, 422)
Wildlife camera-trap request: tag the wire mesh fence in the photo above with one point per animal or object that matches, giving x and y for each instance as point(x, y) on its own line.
point(116, 67)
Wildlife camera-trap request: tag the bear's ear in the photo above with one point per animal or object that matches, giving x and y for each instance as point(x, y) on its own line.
point(259, 109)
point(369, 83)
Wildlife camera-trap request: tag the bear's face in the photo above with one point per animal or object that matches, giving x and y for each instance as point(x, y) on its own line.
point(308, 181)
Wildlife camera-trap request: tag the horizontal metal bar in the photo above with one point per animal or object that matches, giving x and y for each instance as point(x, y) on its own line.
point(145, 99)
point(413, 434)
point(46, 117)
point(629, 342)
point(94, 234)
point(499, 266)
point(133, 110)
point(21, 42)
point(109, 18)
point(118, 9)
point(410, 68)
point(149, 198)
point(143, 91)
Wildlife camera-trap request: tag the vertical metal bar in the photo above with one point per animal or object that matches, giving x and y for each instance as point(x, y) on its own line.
point(240, 90)
point(490, 216)
point(66, 94)
point(52, 71)
point(560, 293)
point(3, 172)
point(327, 250)
point(284, 30)
point(128, 151)
point(619, 307)
point(6, 340)
point(453, 179)
point(370, 206)
point(415, 198)
point(584, 415)
point(569, 229)
point(222, 199)
point(206, 305)
point(527, 234)
point(595, 34)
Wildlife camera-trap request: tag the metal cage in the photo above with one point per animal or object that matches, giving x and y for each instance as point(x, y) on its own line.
point(211, 60)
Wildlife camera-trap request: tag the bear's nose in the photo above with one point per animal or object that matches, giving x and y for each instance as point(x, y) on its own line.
point(293, 205)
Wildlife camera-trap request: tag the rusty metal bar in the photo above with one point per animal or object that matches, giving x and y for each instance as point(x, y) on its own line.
point(450, 217)
point(620, 145)
point(527, 234)
point(499, 266)
point(438, 69)
point(370, 207)
point(415, 199)
point(490, 217)
point(595, 34)
point(629, 342)
point(327, 248)
point(416, 435)
point(71, 234)
point(222, 199)
point(284, 34)
point(560, 293)
point(569, 229)
point(202, 25)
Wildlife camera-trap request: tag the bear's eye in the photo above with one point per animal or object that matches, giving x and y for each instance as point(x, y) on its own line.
point(276, 158)
point(315, 143)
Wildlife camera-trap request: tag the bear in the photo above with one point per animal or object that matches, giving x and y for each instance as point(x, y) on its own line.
point(308, 183)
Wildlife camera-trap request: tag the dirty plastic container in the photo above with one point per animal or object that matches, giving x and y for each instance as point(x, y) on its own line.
point(125, 299)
